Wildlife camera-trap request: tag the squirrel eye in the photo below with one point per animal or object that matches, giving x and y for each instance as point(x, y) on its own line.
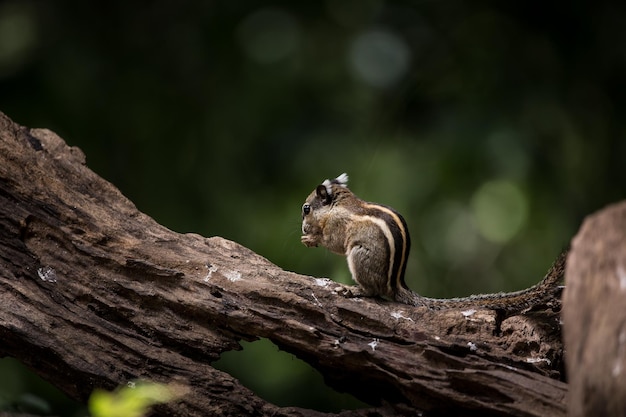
point(306, 209)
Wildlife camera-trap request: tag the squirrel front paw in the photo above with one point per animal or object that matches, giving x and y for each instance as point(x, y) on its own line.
point(309, 240)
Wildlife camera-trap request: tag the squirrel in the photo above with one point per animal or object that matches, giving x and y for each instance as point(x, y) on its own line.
point(375, 239)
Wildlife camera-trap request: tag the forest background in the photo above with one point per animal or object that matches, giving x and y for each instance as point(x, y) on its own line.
point(493, 127)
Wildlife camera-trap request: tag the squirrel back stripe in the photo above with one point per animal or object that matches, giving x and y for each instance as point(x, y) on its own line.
point(399, 233)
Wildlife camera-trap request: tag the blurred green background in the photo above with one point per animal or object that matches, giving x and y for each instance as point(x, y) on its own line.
point(493, 127)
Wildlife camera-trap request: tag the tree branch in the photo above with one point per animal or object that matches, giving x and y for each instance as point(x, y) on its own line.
point(95, 293)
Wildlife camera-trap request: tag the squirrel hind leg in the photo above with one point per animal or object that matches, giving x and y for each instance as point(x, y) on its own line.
point(367, 267)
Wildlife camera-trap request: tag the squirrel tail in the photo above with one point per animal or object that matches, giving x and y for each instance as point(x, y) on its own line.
point(510, 303)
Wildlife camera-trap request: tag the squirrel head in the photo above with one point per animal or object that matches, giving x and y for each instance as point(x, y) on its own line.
point(325, 194)
point(321, 200)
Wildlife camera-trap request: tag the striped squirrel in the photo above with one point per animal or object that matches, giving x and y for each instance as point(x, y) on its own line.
point(376, 241)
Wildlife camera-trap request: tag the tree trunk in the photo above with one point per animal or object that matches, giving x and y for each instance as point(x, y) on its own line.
point(95, 293)
point(594, 312)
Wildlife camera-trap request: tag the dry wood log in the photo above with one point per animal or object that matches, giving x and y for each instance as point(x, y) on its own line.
point(594, 314)
point(95, 293)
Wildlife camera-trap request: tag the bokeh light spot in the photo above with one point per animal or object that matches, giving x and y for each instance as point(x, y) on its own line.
point(18, 36)
point(379, 57)
point(500, 210)
point(269, 35)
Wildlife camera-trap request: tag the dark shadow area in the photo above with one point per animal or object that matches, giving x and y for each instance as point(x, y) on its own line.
point(282, 379)
point(23, 391)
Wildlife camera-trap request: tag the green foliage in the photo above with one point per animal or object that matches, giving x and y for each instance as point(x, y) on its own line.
point(132, 400)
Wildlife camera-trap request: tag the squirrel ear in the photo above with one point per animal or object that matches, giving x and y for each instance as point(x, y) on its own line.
point(324, 193)
point(342, 180)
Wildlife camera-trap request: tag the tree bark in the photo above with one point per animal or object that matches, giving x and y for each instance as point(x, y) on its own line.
point(595, 315)
point(95, 293)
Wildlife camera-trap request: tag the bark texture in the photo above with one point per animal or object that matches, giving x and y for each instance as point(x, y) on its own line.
point(94, 293)
point(594, 312)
